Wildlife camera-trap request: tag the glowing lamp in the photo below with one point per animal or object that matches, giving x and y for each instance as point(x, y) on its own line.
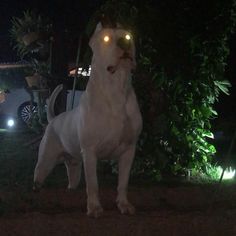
point(10, 123)
point(229, 173)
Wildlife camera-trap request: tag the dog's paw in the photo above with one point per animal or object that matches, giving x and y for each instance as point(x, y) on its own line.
point(36, 187)
point(95, 211)
point(126, 208)
point(94, 208)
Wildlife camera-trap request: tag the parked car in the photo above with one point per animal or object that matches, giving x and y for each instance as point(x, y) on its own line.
point(17, 108)
point(16, 103)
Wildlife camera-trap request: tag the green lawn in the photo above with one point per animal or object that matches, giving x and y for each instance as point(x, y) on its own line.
point(17, 162)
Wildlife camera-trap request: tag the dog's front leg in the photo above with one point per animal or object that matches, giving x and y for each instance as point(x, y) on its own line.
point(73, 167)
point(125, 163)
point(94, 208)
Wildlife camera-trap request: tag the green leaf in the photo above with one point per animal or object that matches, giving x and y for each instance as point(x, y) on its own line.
point(223, 86)
point(208, 134)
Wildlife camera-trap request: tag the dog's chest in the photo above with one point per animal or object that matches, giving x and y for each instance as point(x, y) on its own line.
point(116, 138)
point(109, 115)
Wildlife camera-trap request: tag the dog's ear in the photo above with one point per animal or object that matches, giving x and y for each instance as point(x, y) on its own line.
point(98, 28)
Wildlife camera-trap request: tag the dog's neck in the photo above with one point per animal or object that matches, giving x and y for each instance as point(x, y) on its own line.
point(117, 82)
point(111, 89)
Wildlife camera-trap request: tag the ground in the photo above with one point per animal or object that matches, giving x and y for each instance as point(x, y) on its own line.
point(161, 210)
point(166, 208)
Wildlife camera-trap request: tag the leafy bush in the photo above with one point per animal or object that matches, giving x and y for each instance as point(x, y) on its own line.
point(185, 58)
point(30, 22)
point(182, 47)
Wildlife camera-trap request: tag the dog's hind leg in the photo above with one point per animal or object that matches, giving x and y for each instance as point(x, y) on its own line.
point(74, 168)
point(125, 163)
point(50, 152)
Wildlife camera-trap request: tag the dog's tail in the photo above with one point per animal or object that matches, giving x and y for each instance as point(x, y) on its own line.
point(51, 102)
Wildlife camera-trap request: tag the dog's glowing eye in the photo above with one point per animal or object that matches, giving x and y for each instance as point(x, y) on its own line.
point(127, 36)
point(106, 39)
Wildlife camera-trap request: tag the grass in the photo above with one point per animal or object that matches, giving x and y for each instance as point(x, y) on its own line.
point(18, 160)
point(17, 163)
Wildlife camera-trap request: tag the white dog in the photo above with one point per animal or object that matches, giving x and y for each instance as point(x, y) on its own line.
point(106, 124)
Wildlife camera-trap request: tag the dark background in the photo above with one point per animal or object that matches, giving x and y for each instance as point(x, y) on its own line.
point(72, 17)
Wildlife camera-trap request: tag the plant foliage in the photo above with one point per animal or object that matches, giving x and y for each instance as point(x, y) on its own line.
point(28, 23)
point(182, 48)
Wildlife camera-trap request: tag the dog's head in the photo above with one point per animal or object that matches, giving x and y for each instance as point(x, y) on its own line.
point(113, 48)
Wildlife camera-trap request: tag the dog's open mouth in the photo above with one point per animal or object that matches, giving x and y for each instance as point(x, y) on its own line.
point(126, 56)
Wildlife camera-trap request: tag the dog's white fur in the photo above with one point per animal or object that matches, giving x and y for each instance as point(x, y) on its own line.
point(106, 124)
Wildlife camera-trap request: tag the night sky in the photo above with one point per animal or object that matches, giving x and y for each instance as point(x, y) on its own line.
point(69, 14)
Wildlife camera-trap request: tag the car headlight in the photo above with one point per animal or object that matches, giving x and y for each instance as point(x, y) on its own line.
point(10, 122)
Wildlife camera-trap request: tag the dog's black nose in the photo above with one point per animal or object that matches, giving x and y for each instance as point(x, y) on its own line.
point(123, 43)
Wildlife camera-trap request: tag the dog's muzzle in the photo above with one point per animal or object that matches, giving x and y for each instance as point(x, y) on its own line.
point(124, 44)
point(126, 55)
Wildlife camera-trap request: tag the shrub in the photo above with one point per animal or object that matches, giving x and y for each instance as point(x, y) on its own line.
point(182, 49)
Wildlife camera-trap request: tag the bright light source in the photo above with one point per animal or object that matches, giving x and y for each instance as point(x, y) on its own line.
point(81, 71)
point(84, 72)
point(106, 38)
point(10, 123)
point(229, 173)
point(127, 36)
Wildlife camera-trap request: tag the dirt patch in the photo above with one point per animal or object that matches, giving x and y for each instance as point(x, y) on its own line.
point(161, 210)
